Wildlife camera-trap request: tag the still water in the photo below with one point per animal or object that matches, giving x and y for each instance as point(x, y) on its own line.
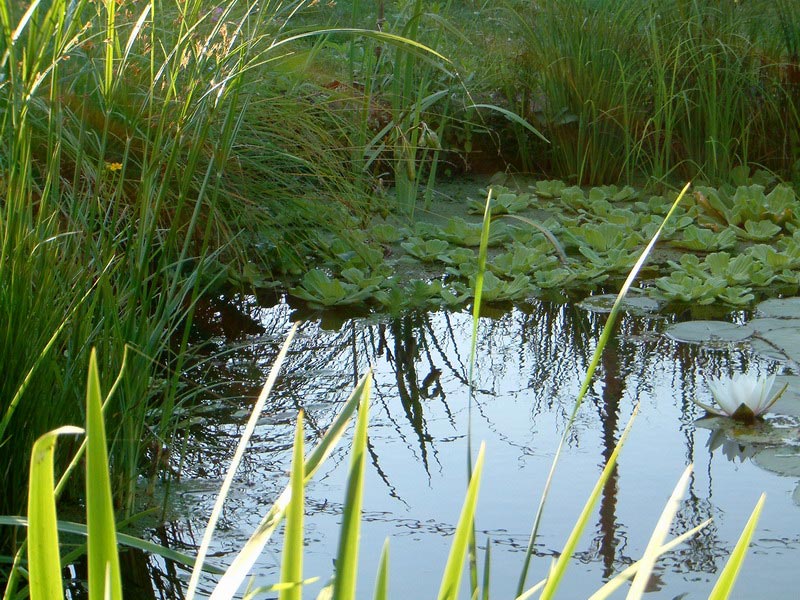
point(530, 364)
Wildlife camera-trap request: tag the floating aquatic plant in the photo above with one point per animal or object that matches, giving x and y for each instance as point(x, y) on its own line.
point(743, 397)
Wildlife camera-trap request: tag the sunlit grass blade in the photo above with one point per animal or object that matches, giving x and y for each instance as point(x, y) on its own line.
point(601, 344)
point(531, 591)
point(258, 592)
point(483, 252)
point(621, 578)
point(727, 579)
point(104, 573)
point(237, 458)
point(344, 583)
point(558, 570)
point(658, 536)
point(44, 561)
point(382, 580)
point(451, 579)
point(123, 539)
point(241, 565)
point(292, 561)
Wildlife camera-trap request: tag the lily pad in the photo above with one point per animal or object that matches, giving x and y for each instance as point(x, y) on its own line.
point(776, 338)
point(789, 402)
point(780, 308)
point(637, 305)
point(702, 332)
point(766, 434)
point(784, 460)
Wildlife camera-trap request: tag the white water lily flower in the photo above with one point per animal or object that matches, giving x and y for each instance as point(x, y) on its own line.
point(743, 396)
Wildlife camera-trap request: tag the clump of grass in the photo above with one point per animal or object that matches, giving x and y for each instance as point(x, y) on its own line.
point(143, 160)
point(661, 89)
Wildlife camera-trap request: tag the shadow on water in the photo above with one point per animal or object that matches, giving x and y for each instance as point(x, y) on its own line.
point(530, 363)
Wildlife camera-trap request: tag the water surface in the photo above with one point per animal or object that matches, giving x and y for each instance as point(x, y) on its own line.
point(531, 361)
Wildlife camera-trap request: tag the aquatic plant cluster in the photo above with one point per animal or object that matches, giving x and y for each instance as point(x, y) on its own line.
point(152, 152)
point(723, 245)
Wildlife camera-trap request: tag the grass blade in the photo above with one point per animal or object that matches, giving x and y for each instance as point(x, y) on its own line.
point(44, 561)
point(292, 562)
point(241, 565)
point(237, 458)
point(382, 581)
point(451, 579)
point(601, 344)
point(614, 584)
point(344, 584)
point(657, 538)
point(557, 572)
point(104, 573)
point(727, 578)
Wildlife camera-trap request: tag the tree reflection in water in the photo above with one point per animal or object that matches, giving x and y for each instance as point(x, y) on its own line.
point(529, 367)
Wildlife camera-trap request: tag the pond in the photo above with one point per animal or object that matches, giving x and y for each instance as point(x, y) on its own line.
point(530, 363)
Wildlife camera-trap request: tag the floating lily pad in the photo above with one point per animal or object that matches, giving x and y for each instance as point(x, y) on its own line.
point(773, 433)
point(789, 402)
point(780, 308)
point(776, 338)
point(638, 305)
point(701, 332)
point(784, 460)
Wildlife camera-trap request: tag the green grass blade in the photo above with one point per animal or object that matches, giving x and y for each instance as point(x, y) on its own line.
point(44, 561)
point(382, 581)
point(123, 539)
point(244, 561)
point(237, 458)
point(292, 562)
point(614, 584)
point(658, 536)
point(451, 579)
point(531, 591)
point(557, 572)
point(344, 584)
point(727, 578)
point(514, 117)
point(104, 574)
point(601, 344)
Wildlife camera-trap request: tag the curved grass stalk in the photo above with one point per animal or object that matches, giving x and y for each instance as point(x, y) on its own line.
point(724, 586)
point(560, 567)
point(601, 343)
point(237, 458)
point(238, 570)
point(651, 552)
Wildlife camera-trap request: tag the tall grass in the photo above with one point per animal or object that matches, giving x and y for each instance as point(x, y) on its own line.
point(147, 154)
point(663, 89)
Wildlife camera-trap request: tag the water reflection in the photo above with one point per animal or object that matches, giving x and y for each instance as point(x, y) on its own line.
point(530, 364)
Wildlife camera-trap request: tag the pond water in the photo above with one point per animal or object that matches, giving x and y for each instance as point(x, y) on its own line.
point(530, 363)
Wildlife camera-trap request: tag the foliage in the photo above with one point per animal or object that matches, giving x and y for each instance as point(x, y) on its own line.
point(656, 88)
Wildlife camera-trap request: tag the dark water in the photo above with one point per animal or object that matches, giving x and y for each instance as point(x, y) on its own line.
point(529, 368)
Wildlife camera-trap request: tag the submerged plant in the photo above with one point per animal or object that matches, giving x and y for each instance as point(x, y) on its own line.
point(743, 397)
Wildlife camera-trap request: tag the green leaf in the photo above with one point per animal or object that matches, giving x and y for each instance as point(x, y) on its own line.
point(44, 560)
point(382, 581)
point(558, 570)
point(292, 561)
point(344, 585)
point(123, 539)
point(104, 574)
point(727, 578)
point(549, 189)
point(658, 536)
point(241, 565)
point(451, 578)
